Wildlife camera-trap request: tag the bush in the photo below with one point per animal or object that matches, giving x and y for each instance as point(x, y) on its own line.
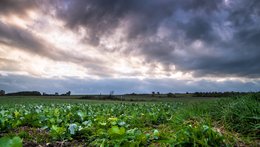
point(171, 95)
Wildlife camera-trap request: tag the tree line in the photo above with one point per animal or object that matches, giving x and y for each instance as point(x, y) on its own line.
point(32, 93)
point(219, 94)
point(111, 94)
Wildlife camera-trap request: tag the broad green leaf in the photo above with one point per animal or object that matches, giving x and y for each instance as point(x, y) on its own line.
point(156, 134)
point(116, 131)
point(72, 128)
point(11, 142)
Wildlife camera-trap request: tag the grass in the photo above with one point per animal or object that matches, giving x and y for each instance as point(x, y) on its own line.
point(237, 115)
point(178, 121)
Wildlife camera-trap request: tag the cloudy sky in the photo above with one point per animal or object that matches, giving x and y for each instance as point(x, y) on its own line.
point(95, 46)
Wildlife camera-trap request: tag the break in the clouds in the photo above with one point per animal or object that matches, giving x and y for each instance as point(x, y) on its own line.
point(131, 42)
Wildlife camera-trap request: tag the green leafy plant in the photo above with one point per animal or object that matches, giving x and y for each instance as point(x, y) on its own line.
point(11, 142)
point(116, 132)
point(58, 132)
point(136, 124)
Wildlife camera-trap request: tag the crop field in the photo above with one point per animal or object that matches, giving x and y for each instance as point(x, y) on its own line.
point(72, 122)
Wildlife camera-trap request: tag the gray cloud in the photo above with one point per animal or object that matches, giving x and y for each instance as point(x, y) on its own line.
point(101, 17)
point(144, 17)
point(23, 39)
point(198, 28)
point(229, 33)
point(8, 65)
point(204, 5)
point(19, 7)
point(13, 83)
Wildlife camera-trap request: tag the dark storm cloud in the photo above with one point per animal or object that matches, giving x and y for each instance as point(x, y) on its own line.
point(244, 12)
point(205, 5)
point(198, 28)
point(102, 17)
point(12, 83)
point(100, 14)
point(229, 32)
point(236, 55)
point(144, 17)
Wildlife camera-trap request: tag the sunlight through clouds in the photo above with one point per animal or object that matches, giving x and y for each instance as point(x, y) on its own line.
point(180, 40)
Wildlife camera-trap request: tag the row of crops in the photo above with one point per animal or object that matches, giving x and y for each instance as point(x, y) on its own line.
point(114, 124)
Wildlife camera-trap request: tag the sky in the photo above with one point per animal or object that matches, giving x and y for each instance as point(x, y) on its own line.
point(125, 46)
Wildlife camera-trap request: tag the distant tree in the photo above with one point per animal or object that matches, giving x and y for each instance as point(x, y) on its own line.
point(153, 93)
point(68, 93)
point(111, 93)
point(133, 93)
point(56, 93)
point(216, 94)
point(2, 92)
point(158, 93)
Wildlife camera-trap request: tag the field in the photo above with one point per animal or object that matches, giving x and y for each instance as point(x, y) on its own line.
point(134, 121)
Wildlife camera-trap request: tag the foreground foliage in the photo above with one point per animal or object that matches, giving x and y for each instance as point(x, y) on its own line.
point(10, 142)
point(134, 124)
